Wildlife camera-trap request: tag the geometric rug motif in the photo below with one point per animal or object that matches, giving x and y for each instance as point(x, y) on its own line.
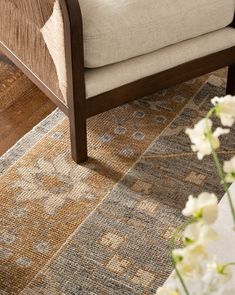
point(123, 245)
point(45, 197)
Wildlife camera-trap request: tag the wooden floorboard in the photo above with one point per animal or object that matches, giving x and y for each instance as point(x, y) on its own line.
point(22, 104)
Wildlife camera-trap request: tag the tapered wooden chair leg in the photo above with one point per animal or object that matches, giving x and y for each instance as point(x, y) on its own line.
point(78, 136)
point(231, 80)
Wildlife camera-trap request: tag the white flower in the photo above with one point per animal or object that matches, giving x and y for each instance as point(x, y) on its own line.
point(217, 276)
point(223, 271)
point(166, 291)
point(229, 169)
point(203, 139)
point(199, 234)
point(225, 109)
point(188, 260)
point(202, 208)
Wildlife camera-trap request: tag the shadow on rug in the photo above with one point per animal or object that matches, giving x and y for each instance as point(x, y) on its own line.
point(45, 196)
point(122, 247)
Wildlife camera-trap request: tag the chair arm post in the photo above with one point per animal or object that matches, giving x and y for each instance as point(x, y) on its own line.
point(74, 54)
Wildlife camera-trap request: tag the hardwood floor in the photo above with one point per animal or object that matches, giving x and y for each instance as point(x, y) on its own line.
point(22, 104)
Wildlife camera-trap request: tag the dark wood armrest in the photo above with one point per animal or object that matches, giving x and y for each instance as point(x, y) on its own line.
point(233, 23)
point(74, 53)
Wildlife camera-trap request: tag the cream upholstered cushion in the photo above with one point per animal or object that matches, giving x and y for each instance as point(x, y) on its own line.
point(116, 30)
point(102, 79)
point(109, 77)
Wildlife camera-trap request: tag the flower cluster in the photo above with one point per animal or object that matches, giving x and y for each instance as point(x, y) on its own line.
point(225, 109)
point(192, 262)
point(203, 139)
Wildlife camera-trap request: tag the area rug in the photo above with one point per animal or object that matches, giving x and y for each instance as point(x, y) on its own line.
point(122, 247)
point(47, 200)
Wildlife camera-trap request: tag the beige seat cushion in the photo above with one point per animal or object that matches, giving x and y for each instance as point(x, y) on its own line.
point(116, 30)
point(106, 78)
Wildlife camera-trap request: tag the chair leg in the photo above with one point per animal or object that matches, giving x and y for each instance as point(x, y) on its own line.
point(78, 135)
point(231, 80)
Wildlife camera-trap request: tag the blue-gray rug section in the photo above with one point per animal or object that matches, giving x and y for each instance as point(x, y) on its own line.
point(123, 246)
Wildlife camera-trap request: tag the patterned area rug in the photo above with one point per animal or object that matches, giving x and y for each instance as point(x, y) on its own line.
point(68, 230)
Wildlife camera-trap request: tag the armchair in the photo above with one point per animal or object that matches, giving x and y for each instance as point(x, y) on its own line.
point(89, 56)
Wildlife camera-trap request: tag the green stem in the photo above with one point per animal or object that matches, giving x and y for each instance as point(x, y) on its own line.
point(172, 245)
point(210, 113)
point(219, 166)
point(225, 185)
point(182, 281)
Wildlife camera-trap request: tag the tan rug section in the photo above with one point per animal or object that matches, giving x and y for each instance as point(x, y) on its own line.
point(45, 196)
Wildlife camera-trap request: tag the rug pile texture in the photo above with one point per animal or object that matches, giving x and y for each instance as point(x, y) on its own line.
point(103, 227)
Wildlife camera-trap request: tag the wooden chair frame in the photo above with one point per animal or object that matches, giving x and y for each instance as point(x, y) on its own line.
point(79, 108)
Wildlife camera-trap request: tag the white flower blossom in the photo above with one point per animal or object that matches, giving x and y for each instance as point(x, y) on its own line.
point(194, 262)
point(229, 169)
point(203, 139)
point(202, 208)
point(199, 234)
point(188, 260)
point(208, 281)
point(215, 279)
point(225, 109)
